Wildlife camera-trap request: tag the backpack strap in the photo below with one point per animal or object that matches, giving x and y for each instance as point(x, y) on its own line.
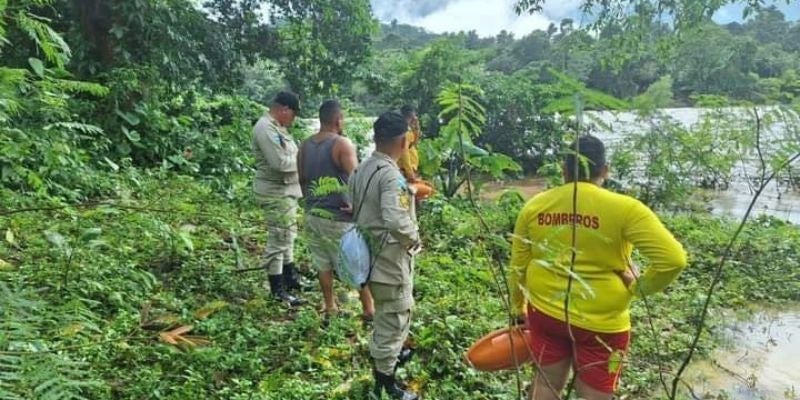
point(357, 211)
point(373, 254)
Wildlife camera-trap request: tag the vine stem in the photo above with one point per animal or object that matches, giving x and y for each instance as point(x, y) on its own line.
point(574, 235)
point(498, 273)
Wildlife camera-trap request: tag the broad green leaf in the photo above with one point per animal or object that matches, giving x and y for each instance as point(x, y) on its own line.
point(133, 136)
point(37, 66)
point(118, 31)
point(130, 118)
point(55, 238)
point(111, 164)
point(615, 361)
point(187, 241)
point(10, 237)
point(475, 151)
point(91, 234)
point(6, 266)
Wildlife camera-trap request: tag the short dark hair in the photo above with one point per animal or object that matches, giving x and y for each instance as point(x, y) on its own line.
point(289, 100)
point(408, 111)
point(389, 126)
point(329, 111)
point(592, 160)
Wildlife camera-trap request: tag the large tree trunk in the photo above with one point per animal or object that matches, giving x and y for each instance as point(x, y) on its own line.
point(96, 19)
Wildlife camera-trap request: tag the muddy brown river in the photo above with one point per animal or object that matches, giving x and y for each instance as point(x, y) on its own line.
point(760, 361)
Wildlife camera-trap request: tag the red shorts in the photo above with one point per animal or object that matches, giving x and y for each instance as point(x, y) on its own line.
point(592, 357)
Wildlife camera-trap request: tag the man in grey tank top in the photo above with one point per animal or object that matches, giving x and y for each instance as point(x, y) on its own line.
point(325, 162)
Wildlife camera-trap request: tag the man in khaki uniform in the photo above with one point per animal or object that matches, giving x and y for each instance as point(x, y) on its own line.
point(385, 210)
point(277, 190)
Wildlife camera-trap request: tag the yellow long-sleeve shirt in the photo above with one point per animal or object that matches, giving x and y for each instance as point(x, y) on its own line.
point(609, 226)
point(409, 160)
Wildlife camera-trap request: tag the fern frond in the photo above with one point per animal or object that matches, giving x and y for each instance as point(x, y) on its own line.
point(321, 213)
point(76, 126)
point(326, 186)
point(12, 76)
point(568, 87)
point(3, 41)
point(83, 87)
point(10, 79)
point(10, 372)
point(52, 45)
point(29, 368)
point(8, 107)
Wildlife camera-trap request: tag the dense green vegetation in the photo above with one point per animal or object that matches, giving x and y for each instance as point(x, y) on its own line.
point(125, 204)
point(88, 293)
point(755, 61)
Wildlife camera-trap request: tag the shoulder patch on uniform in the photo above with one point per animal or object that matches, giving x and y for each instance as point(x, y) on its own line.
point(403, 198)
point(403, 195)
point(402, 183)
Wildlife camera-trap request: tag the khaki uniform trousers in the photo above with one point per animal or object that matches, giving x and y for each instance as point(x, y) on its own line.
point(280, 214)
point(391, 323)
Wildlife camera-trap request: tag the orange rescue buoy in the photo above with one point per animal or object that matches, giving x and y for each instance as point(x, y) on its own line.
point(422, 189)
point(493, 351)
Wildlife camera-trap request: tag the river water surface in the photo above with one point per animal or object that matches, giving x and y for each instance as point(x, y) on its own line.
point(760, 361)
point(778, 200)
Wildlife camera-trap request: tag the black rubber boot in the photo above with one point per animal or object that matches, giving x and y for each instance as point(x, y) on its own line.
point(291, 279)
point(367, 320)
point(280, 294)
point(389, 384)
point(405, 356)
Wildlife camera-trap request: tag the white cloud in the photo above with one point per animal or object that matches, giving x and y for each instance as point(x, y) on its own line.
point(488, 18)
point(560, 9)
point(406, 10)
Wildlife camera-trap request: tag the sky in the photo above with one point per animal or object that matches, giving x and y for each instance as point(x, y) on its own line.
point(489, 17)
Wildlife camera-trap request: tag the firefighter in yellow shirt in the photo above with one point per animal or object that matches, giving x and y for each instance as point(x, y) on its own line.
point(580, 319)
point(409, 161)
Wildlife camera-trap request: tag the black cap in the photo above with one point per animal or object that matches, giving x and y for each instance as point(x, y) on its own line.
point(289, 100)
point(389, 125)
